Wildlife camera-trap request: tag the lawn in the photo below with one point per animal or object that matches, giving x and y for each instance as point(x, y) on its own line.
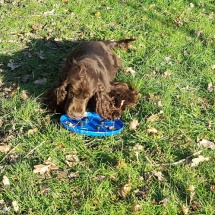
point(163, 164)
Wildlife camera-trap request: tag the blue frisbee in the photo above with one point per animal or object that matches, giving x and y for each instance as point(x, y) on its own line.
point(92, 124)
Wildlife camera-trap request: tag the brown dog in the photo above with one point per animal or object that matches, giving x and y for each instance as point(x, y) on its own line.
point(86, 81)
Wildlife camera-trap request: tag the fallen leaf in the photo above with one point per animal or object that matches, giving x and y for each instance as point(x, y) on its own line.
point(164, 201)
point(199, 32)
point(47, 13)
point(41, 169)
point(192, 5)
point(152, 118)
point(184, 209)
point(191, 188)
point(96, 201)
point(196, 161)
point(72, 159)
point(13, 65)
point(159, 175)
point(98, 14)
point(138, 147)
point(32, 131)
point(5, 181)
point(41, 81)
point(131, 71)
point(24, 95)
point(160, 104)
point(152, 131)
point(141, 193)
point(74, 174)
point(210, 88)
point(124, 190)
point(12, 158)
point(178, 21)
point(195, 205)
point(212, 188)
point(135, 207)
point(15, 206)
point(4, 148)
point(44, 189)
point(134, 124)
point(62, 174)
point(121, 164)
point(207, 144)
point(41, 54)
point(100, 177)
point(38, 110)
point(167, 58)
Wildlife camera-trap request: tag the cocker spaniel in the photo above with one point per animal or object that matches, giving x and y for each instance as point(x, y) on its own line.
point(87, 82)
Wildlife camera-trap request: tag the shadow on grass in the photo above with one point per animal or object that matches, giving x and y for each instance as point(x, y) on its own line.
point(39, 59)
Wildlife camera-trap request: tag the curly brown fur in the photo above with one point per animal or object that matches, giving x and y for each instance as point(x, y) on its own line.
point(86, 81)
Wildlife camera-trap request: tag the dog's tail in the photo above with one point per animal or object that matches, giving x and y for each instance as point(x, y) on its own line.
point(124, 43)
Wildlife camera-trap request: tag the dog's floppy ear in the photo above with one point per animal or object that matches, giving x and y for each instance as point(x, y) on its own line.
point(61, 93)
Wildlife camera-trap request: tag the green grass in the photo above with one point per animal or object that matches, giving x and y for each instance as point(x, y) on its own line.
point(173, 58)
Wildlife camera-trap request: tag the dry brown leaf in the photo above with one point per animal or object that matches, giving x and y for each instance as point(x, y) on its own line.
point(159, 175)
point(62, 174)
point(136, 207)
point(152, 131)
point(185, 209)
point(41, 169)
point(24, 95)
point(121, 164)
point(142, 193)
point(131, 71)
point(199, 32)
point(15, 206)
point(48, 13)
point(124, 190)
point(41, 81)
point(100, 177)
point(46, 167)
point(152, 118)
point(38, 110)
point(13, 65)
point(195, 205)
point(212, 188)
point(32, 131)
point(192, 5)
point(160, 104)
point(191, 188)
point(97, 14)
point(53, 167)
point(138, 147)
point(207, 144)
point(5, 181)
point(74, 174)
point(210, 88)
point(164, 201)
point(134, 124)
point(72, 159)
point(199, 159)
point(4, 148)
point(41, 54)
point(96, 201)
